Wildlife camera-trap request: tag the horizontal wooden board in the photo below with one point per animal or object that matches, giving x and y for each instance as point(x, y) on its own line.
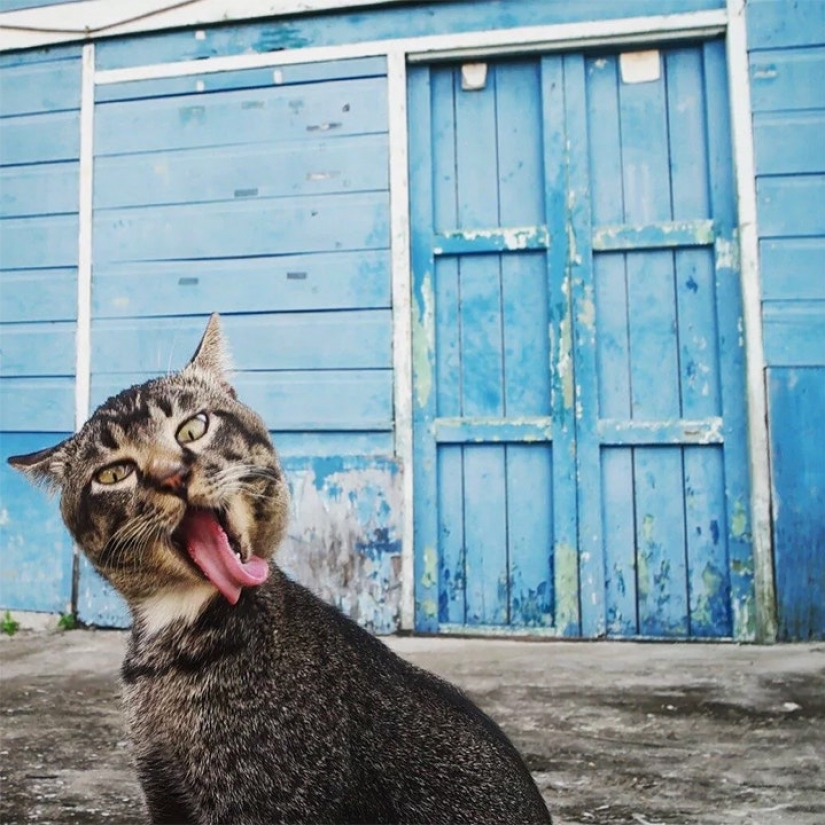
point(40, 87)
point(339, 107)
point(796, 402)
point(38, 243)
point(793, 268)
point(207, 83)
point(40, 138)
point(787, 79)
point(774, 25)
point(337, 27)
point(293, 341)
point(334, 280)
point(44, 189)
point(787, 206)
point(312, 401)
point(789, 143)
point(37, 405)
point(38, 295)
point(333, 444)
point(794, 333)
point(47, 54)
point(261, 170)
point(37, 349)
point(243, 228)
point(35, 548)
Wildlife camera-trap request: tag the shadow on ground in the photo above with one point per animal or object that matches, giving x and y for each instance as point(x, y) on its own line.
point(644, 734)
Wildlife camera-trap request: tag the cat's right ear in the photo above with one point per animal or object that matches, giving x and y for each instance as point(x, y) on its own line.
point(45, 467)
point(211, 355)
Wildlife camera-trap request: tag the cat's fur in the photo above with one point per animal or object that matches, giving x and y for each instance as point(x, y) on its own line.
point(276, 708)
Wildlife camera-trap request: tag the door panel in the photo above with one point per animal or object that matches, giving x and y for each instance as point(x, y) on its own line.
point(577, 297)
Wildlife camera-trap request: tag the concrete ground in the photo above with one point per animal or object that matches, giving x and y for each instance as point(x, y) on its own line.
point(613, 732)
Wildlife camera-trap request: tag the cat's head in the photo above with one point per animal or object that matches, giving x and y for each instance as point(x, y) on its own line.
point(173, 486)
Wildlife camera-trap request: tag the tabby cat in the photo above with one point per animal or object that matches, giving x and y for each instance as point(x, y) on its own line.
point(250, 701)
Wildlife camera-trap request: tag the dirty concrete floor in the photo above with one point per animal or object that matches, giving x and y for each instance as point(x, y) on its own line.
point(613, 732)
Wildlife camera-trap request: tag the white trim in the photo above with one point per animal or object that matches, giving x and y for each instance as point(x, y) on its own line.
point(84, 253)
point(742, 128)
point(500, 41)
point(92, 19)
point(401, 316)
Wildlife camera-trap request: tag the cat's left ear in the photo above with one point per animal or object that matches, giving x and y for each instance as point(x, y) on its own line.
point(46, 467)
point(211, 355)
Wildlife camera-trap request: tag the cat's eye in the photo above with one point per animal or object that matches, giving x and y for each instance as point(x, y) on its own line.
point(114, 472)
point(193, 429)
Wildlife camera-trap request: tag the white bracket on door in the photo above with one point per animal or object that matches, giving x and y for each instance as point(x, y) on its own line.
point(640, 67)
point(473, 76)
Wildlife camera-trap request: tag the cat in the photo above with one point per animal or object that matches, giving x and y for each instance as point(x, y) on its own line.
point(249, 700)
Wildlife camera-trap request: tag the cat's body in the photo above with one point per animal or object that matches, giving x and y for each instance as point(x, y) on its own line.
point(250, 701)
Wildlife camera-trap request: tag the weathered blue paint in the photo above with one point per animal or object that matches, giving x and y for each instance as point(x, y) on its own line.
point(412, 20)
point(788, 53)
point(470, 429)
point(497, 239)
point(625, 432)
point(664, 235)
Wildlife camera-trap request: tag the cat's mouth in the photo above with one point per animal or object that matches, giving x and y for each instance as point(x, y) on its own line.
point(208, 540)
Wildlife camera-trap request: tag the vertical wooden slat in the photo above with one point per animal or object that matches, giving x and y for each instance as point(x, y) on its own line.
point(565, 555)
point(580, 230)
point(729, 310)
point(425, 538)
point(451, 570)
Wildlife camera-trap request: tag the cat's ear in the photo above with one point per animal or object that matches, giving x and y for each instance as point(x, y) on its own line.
point(47, 467)
point(211, 356)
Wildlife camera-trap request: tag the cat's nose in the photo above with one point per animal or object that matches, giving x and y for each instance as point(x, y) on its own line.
point(167, 474)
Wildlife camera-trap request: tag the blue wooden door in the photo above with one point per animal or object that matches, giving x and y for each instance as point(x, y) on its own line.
point(578, 382)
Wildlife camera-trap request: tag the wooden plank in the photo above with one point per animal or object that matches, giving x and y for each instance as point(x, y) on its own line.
point(40, 138)
point(336, 108)
point(421, 100)
point(452, 573)
point(447, 339)
point(36, 553)
point(612, 341)
point(47, 189)
point(580, 269)
point(706, 532)
point(485, 535)
point(38, 243)
point(37, 349)
point(291, 341)
point(687, 133)
point(328, 444)
point(497, 239)
point(732, 367)
point(794, 333)
point(785, 206)
point(660, 541)
point(44, 405)
point(788, 143)
point(38, 295)
point(243, 228)
point(797, 399)
point(281, 76)
point(256, 171)
point(518, 144)
point(620, 548)
point(565, 539)
point(663, 235)
point(468, 430)
point(605, 141)
point(787, 79)
point(526, 345)
point(770, 26)
point(793, 268)
point(530, 535)
point(284, 283)
point(635, 433)
point(311, 401)
point(31, 88)
point(48, 54)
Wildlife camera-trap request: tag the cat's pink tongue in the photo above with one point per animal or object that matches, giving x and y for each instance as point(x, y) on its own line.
point(209, 548)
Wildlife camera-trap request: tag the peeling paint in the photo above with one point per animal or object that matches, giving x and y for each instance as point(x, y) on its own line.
point(739, 521)
point(727, 254)
point(423, 338)
point(566, 588)
point(429, 577)
point(344, 536)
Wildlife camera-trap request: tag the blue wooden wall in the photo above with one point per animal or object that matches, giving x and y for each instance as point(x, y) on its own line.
point(787, 66)
point(39, 143)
